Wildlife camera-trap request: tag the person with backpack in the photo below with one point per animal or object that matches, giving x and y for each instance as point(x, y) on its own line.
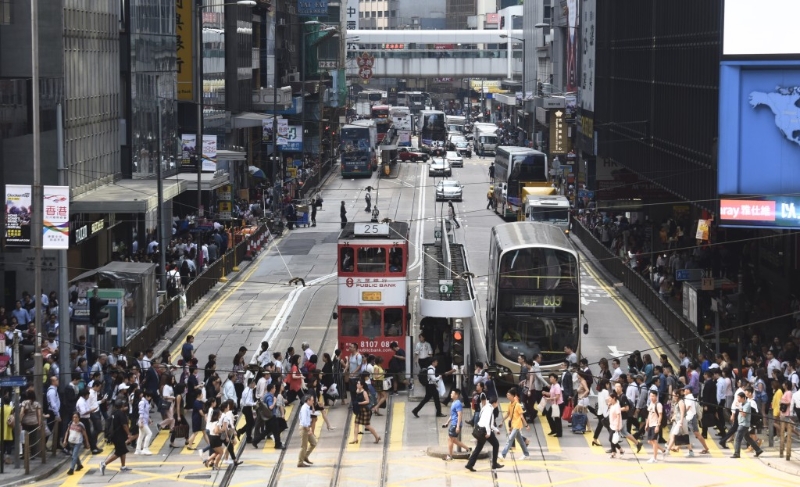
point(653, 424)
point(431, 391)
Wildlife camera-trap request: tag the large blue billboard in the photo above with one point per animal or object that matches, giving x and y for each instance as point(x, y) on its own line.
point(759, 128)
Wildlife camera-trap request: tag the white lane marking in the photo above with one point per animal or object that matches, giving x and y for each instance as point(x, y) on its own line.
point(618, 353)
point(585, 302)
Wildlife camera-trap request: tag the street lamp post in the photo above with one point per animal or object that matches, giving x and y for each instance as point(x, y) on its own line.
point(199, 7)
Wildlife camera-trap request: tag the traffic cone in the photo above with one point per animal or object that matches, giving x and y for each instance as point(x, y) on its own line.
point(249, 254)
point(259, 243)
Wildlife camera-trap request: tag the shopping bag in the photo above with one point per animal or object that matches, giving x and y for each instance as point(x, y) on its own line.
point(440, 387)
point(566, 415)
point(556, 411)
point(542, 405)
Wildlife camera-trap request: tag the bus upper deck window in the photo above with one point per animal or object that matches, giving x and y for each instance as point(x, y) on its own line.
point(396, 260)
point(371, 259)
point(346, 259)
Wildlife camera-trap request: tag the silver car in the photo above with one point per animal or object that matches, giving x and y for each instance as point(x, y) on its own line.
point(449, 190)
point(439, 167)
point(454, 159)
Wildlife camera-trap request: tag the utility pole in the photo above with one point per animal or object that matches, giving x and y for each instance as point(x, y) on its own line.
point(162, 234)
point(198, 144)
point(38, 201)
point(64, 326)
point(15, 396)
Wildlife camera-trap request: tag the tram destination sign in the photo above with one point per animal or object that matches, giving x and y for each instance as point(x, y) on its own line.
point(371, 229)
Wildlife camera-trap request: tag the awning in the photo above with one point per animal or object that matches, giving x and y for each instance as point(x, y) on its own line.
point(248, 119)
point(208, 181)
point(126, 196)
point(506, 99)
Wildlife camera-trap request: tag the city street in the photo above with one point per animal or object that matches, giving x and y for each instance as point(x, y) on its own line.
point(261, 305)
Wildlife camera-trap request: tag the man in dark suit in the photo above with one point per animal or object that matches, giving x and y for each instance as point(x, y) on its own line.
point(565, 381)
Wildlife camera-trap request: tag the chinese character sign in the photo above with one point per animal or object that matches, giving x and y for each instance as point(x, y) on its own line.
point(559, 136)
point(56, 217)
point(283, 130)
point(292, 141)
point(183, 40)
point(18, 215)
point(351, 14)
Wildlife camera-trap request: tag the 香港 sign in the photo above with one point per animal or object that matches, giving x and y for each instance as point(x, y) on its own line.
point(55, 216)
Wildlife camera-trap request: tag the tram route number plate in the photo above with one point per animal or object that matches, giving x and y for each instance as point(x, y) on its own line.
point(371, 229)
point(371, 296)
point(445, 286)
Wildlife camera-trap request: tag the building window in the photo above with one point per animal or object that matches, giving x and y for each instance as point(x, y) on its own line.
point(373, 14)
point(380, 14)
point(5, 12)
point(394, 13)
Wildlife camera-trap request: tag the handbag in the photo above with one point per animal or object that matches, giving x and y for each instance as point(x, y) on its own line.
point(566, 415)
point(615, 438)
point(181, 430)
point(387, 383)
point(264, 412)
point(681, 440)
point(479, 433)
point(556, 413)
point(542, 405)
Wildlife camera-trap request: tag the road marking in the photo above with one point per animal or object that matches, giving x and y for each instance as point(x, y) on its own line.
point(614, 352)
point(626, 311)
point(397, 427)
point(553, 446)
point(159, 440)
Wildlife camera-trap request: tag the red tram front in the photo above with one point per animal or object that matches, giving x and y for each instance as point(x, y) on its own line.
point(373, 286)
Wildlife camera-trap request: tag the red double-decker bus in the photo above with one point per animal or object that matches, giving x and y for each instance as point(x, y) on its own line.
point(380, 114)
point(373, 289)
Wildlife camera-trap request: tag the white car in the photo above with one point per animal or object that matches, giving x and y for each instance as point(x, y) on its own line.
point(440, 167)
point(454, 159)
point(449, 189)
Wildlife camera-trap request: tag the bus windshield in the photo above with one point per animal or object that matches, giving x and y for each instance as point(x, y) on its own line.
point(529, 168)
point(530, 334)
point(549, 214)
point(538, 268)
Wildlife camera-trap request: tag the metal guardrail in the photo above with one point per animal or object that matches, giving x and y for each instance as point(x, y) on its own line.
point(312, 182)
point(38, 446)
point(678, 328)
point(157, 327)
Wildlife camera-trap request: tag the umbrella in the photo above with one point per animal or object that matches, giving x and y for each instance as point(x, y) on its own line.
point(257, 172)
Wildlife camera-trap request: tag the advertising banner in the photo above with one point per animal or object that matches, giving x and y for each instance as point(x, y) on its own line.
point(781, 212)
point(184, 25)
point(292, 139)
point(56, 217)
point(18, 215)
point(188, 150)
point(312, 8)
point(266, 130)
point(774, 20)
point(759, 128)
point(559, 138)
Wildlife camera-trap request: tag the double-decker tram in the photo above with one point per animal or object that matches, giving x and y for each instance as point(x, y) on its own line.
point(380, 114)
point(534, 303)
point(372, 308)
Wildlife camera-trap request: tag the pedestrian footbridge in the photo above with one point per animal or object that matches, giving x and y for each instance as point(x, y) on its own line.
point(437, 53)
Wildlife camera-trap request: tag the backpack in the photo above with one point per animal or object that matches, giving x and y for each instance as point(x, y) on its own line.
point(422, 376)
point(172, 282)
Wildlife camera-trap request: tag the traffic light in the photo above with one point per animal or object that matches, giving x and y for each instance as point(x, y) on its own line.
point(458, 344)
point(97, 315)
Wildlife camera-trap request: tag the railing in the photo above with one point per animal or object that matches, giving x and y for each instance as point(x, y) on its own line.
point(37, 445)
point(313, 181)
point(157, 327)
point(679, 329)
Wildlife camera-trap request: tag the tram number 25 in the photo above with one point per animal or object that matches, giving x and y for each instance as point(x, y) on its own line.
point(375, 344)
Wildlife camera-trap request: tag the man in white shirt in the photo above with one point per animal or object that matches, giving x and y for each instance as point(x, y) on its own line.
point(307, 351)
point(228, 389)
point(571, 356)
point(480, 376)
point(735, 407)
point(147, 360)
point(617, 372)
point(691, 421)
point(307, 439)
point(773, 364)
point(264, 356)
point(791, 376)
point(422, 351)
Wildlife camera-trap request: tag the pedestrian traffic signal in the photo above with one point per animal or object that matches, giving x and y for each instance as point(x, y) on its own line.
point(458, 347)
point(97, 315)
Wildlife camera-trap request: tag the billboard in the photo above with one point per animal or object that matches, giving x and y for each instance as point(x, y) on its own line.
point(774, 21)
point(312, 8)
point(184, 23)
point(56, 217)
point(759, 128)
point(769, 211)
point(292, 139)
point(18, 215)
point(189, 149)
point(586, 89)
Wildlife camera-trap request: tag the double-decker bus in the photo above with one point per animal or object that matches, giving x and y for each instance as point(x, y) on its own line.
point(534, 303)
point(357, 149)
point(372, 307)
point(514, 169)
point(416, 101)
point(380, 114)
point(431, 128)
point(367, 99)
point(402, 123)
